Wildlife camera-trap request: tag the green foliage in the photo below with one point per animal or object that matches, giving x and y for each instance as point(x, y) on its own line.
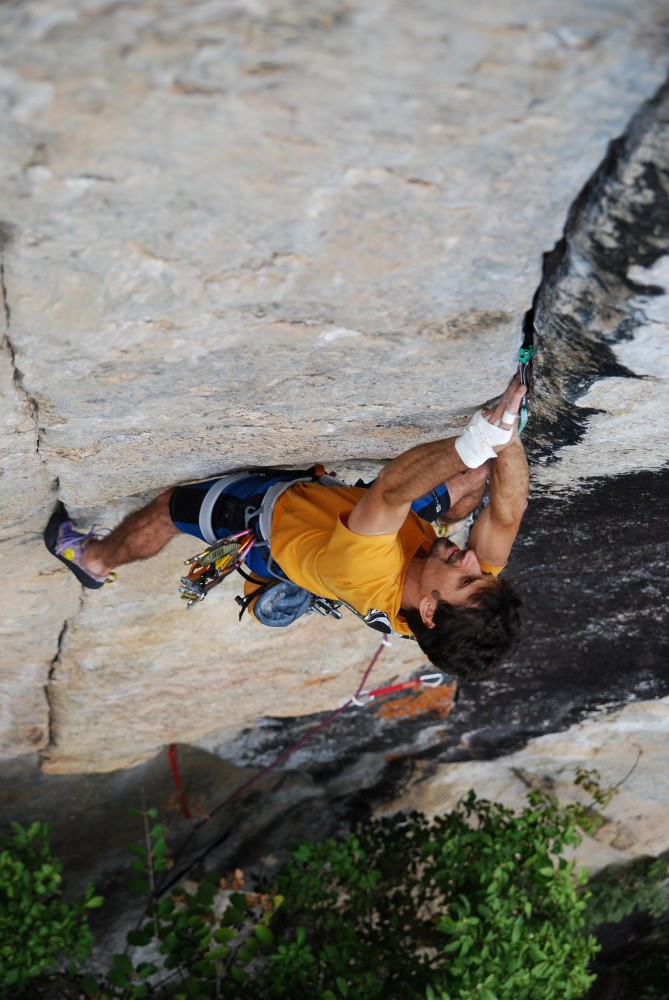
point(477, 904)
point(203, 943)
point(38, 928)
point(616, 892)
point(590, 781)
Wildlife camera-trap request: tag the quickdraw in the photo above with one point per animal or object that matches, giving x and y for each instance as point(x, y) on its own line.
point(211, 566)
point(363, 698)
point(326, 607)
point(525, 355)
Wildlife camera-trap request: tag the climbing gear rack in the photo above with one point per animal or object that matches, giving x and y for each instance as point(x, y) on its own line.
point(211, 566)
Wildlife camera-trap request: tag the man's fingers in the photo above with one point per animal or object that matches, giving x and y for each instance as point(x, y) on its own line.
point(506, 410)
point(512, 386)
point(513, 406)
point(516, 398)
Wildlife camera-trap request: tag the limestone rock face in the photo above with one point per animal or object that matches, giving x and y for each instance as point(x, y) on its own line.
point(267, 233)
point(625, 749)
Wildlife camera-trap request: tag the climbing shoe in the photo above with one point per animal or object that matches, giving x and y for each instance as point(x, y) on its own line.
point(67, 544)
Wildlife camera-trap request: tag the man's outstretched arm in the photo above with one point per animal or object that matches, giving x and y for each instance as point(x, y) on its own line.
point(495, 529)
point(386, 504)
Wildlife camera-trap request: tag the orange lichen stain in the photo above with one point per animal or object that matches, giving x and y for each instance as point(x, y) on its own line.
point(319, 680)
point(438, 701)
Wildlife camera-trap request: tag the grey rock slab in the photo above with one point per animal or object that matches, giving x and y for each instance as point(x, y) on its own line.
point(627, 748)
point(26, 487)
point(36, 606)
point(137, 669)
point(259, 233)
point(377, 169)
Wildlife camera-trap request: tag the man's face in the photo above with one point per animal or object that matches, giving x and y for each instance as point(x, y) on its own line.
point(452, 573)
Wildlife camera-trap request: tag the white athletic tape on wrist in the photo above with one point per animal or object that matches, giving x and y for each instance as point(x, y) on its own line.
point(475, 443)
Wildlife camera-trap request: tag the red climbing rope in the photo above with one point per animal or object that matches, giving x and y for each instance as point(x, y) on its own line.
point(284, 755)
point(174, 764)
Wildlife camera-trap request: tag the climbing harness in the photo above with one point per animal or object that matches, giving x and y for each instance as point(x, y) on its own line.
point(360, 699)
point(275, 603)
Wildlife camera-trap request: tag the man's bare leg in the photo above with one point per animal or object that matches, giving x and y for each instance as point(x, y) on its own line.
point(142, 535)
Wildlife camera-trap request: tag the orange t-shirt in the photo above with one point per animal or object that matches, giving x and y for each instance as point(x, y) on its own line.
point(493, 570)
point(316, 550)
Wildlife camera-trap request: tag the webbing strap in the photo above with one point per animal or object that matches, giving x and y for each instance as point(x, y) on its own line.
point(265, 513)
point(209, 502)
point(266, 509)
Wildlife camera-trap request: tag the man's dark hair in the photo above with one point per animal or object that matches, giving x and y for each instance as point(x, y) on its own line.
point(470, 640)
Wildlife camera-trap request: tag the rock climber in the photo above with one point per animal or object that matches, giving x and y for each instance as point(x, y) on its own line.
point(372, 549)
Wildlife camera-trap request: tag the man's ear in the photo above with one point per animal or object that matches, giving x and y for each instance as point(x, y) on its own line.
point(427, 607)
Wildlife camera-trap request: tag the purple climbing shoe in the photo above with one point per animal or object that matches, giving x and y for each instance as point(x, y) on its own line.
point(67, 544)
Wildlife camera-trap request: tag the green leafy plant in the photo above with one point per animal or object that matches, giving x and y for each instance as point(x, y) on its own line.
point(479, 903)
point(589, 779)
point(203, 936)
point(617, 891)
point(39, 930)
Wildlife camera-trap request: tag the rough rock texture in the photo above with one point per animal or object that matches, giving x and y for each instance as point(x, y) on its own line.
point(260, 233)
point(628, 748)
point(242, 233)
point(601, 315)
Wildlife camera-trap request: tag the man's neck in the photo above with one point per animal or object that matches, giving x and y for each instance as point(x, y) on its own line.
point(412, 593)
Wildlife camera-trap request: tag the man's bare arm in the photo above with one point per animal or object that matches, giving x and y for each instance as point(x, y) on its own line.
point(495, 529)
point(386, 504)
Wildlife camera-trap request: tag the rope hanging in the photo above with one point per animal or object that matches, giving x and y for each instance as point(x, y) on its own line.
point(359, 699)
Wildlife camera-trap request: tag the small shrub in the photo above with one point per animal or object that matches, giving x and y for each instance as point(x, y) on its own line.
point(38, 929)
point(477, 904)
point(617, 891)
point(203, 936)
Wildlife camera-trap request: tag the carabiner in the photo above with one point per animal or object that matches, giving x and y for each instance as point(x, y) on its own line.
point(431, 680)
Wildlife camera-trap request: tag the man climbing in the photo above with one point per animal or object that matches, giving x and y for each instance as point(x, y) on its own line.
point(372, 549)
